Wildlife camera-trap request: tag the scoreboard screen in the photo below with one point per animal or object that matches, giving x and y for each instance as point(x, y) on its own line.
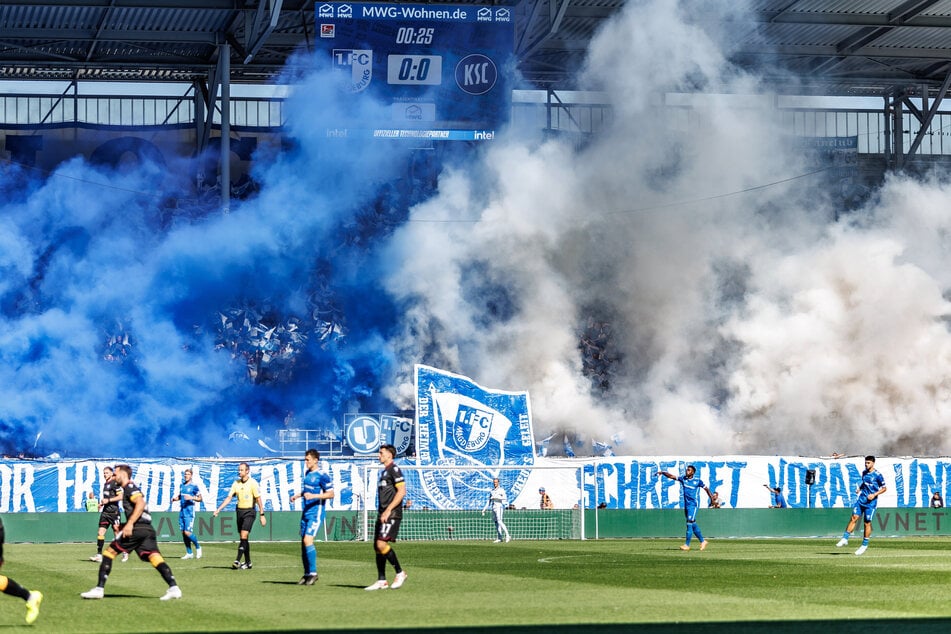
point(440, 70)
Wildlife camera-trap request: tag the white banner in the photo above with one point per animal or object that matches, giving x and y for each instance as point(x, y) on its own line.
point(619, 482)
point(633, 482)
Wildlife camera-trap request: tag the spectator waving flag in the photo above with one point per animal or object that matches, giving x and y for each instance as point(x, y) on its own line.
point(569, 450)
point(543, 446)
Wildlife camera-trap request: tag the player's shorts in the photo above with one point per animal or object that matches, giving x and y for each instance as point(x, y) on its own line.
point(186, 520)
point(387, 531)
point(107, 519)
point(142, 541)
point(310, 526)
point(246, 519)
point(690, 512)
point(865, 509)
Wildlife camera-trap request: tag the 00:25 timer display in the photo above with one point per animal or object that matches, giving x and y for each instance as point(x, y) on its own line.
point(409, 35)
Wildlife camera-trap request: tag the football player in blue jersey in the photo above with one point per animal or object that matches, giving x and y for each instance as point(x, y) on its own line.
point(779, 501)
point(317, 487)
point(691, 487)
point(189, 495)
point(872, 486)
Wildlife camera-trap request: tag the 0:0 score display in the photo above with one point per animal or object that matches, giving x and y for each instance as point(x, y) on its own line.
point(421, 70)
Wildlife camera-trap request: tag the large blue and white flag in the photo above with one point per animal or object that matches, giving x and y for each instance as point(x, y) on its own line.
point(460, 423)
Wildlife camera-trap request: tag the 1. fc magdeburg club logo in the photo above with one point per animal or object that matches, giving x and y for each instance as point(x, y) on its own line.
point(354, 67)
point(461, 424)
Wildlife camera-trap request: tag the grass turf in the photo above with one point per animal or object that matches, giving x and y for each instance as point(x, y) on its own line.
point(532, 587)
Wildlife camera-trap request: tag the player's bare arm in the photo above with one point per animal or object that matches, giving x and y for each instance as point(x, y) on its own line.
point(223, 504)
point(260, 504)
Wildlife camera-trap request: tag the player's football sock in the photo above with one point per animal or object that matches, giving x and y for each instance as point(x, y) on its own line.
point(865, 542)
point(166, 572)
point(311, 558)
point(188, 544)
point(105, 567)
point(194, 541)
point(391, 557)
point(13, 588)
point(381, 566)
point(99, 544)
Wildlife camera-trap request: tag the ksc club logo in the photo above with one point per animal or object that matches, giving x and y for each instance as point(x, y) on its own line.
point(364, 434)
point(354, 67)
point(476, 74)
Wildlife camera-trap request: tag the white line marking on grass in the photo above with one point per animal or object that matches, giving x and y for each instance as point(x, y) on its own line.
point(549, 560)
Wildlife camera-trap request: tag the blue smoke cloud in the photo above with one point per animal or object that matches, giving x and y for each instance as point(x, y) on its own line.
point(132, 325)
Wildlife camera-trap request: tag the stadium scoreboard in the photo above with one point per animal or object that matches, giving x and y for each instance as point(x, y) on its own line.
point(439, 71)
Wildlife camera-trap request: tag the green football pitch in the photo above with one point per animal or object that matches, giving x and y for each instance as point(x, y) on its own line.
point(804, 585)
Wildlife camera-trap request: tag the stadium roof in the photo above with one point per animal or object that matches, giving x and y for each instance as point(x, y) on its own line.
point(833, 47)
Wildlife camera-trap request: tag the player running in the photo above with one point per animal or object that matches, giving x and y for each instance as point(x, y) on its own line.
point(136, 534)
point(691, 486)
point(11, 588)
point(873, 485)
point(316, 488)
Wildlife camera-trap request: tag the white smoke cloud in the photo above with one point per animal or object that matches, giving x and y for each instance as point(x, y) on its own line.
point(748, 322)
